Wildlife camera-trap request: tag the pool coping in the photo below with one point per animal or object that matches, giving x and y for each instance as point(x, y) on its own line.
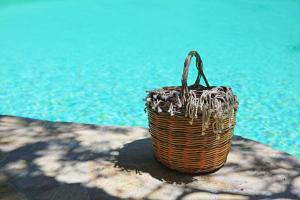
point(61, 160)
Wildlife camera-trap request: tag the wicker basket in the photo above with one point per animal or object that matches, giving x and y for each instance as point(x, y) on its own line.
point(180, 144)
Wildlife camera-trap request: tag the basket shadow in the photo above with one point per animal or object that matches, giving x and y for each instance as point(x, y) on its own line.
point(138, 156)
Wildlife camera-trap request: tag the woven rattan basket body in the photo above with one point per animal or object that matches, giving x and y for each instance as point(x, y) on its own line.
point(180, 144)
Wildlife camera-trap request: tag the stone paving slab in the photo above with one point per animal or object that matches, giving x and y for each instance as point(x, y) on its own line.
point(52, 160)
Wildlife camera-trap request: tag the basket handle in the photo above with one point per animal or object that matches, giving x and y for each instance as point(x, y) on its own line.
point(185, 73)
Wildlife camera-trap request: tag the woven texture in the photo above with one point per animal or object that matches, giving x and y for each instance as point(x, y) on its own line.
point(179, 144)
point(192, 137)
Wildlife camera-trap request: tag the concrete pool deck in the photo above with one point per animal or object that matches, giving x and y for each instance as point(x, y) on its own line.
point(54, 160)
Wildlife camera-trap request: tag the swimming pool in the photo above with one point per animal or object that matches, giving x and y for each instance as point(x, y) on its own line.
point(91, 61)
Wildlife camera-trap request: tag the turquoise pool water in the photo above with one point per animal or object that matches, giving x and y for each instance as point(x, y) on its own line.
point(91, 61)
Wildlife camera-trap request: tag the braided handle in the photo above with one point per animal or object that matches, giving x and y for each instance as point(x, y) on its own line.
point(185, 73)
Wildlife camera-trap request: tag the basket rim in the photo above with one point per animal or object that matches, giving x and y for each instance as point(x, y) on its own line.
point(181, 116)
